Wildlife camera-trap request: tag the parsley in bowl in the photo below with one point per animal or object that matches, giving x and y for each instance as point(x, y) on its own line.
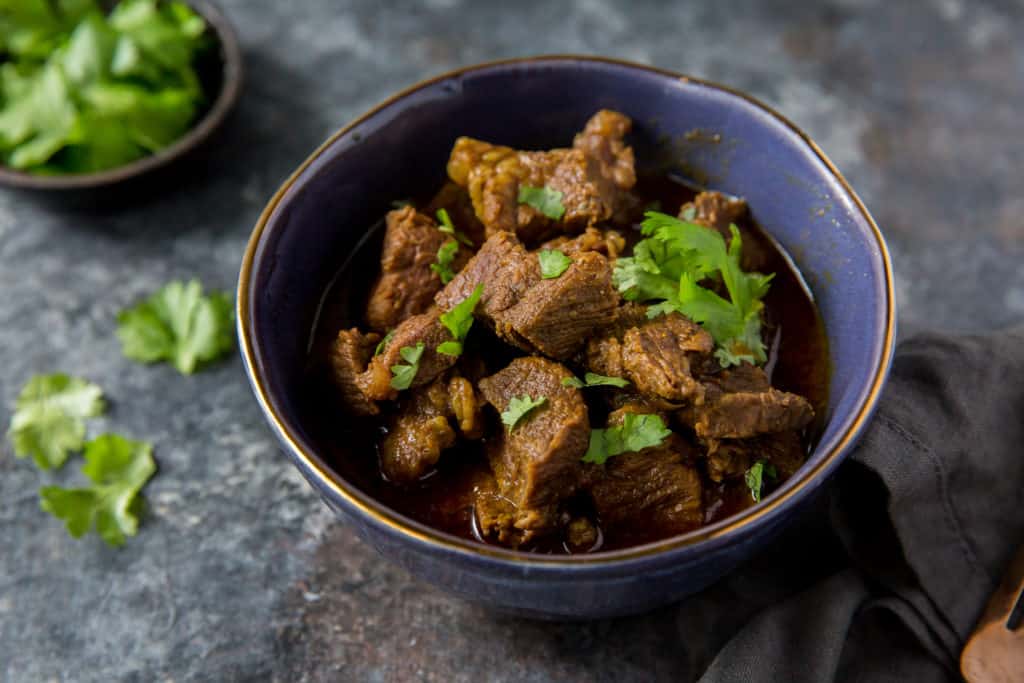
point(88, 87)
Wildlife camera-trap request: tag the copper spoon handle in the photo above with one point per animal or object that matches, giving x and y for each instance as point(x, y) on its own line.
point(995, 652)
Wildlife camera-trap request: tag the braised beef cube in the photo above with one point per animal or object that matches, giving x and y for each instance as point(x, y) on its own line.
point(537, 463)
point(348, 357)
point(465, 407)
point(654, 354)
point(740, 403)
point(582, 535)
point(455, 200)
point(557, 315)
point(609, 243)
point(594, 178)
point(503, 267)
point(653, 488)
point(425, 329)
point(496, 515)
point(715, 210)
point(729, 458)
point(406, 285)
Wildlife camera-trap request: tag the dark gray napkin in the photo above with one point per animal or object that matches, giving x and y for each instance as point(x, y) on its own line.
point(885, 578)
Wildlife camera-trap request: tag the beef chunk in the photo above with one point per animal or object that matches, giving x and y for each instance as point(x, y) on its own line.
point(348, 357)
point(406, 284)
point(496, 515)
point(654, 354)
point(426, 328)
point(421, 428)
point(594, 177)
point(729, 458)
point(715, 210)
point(582, 535)
point(455, 200)
point(654, 488)
point(609, 243)
point(537, 465)
point(739, 403)
point(553, 316)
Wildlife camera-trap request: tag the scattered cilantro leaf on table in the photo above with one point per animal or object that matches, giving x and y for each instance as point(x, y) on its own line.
point(118, 469)
point(49, 418)
point(592, 379)
point(544, 199)
point(446, 226)
point(445, 256)
point(403, 375)
point(458, 322)
point(552, 263)
point(180, 325)
point(754, 478)
point(518, 408)
point(637, 432)
point(669, 267)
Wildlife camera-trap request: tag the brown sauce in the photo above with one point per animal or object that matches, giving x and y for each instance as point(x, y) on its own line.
point(798, 362)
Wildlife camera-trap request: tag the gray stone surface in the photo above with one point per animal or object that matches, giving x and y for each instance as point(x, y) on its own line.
point(239, 573)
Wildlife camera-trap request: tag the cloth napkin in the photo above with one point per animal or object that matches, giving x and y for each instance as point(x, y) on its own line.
point(887, 575)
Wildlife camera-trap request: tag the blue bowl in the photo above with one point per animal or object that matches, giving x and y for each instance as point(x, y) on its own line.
point(716, 136)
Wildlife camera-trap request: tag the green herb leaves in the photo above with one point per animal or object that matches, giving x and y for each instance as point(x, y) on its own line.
point(383, 343)
point(445, 256)
point(671, 265)
point(118, 469)
point(754, 478)
point(180, 325)
point(403, 375)
point(637, 432)
point(592, 379)
point(458, 321)
point(518, 408)
point(544, 199)
point(446, 226)
point(49, 418)
point(552, 263)
point(83, 92)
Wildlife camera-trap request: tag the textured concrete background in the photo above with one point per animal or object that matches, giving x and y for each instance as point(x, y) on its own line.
point(239, 573)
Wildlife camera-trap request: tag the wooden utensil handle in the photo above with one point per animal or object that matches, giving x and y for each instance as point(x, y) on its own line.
point(995, 652)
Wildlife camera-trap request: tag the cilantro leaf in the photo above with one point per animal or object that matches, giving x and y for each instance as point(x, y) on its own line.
point(518, 408)
point(118, 469)
point(383, 343)
point(754, 478)
point(403, 375)
point(178, 324)
point(446, 226)
point(49, 418)
point(544, 199)
point(637, 432)
point(458, 322)
point(552, 263)
point(445, 256)
point(592, 379)
point(669, 267)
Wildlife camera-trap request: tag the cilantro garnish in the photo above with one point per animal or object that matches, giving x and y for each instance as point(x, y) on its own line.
point(445, 256)
point(383, 343)
point(118, 469)
point(458, 321)
point(403, 375)
point(446, 226)
point(84, 92)
point(592, 379)
point(754, 478)
point(544, 199)
point(49, 418)
point(552, 263)
point(637, 432)
point(519, 407)
point(670, 265)
point(178, 324)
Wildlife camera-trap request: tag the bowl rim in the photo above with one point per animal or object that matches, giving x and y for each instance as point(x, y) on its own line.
point(796, 488)
point(227, 97)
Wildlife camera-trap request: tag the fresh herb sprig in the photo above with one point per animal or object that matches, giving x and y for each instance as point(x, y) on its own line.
point(543, 199)
point(637, 432)
point(592, 379)
point(458, 322)
point(755, 476)
point(404, 374)
point(518, 408)
point(552, 263)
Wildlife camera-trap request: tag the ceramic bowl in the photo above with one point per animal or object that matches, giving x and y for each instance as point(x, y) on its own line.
point(716, 136)
point(221, 73)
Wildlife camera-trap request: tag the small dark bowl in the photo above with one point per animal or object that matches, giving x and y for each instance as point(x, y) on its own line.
point(220, 72)
point(717, 136)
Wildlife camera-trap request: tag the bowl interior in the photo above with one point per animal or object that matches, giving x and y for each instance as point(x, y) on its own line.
point(715, 137)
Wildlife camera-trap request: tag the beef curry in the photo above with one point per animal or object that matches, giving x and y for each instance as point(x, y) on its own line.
point(554, 355)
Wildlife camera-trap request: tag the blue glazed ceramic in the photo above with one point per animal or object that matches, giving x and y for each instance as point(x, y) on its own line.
point(717, 137)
